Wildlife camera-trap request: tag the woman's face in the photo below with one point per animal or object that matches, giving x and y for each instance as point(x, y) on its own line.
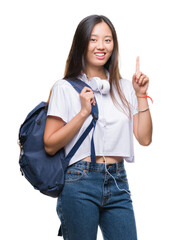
point(100, 46)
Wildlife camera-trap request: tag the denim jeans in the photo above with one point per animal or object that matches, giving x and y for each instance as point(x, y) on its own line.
point(92, 197)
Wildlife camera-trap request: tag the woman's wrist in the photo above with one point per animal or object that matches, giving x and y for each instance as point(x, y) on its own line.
point(140, 95)
point(84, 113)
point(142, 104)
point(144, 96)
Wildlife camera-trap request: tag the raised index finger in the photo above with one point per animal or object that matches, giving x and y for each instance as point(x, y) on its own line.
point(137, 65)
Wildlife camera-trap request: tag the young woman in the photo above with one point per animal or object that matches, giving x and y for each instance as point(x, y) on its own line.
point(97, 195)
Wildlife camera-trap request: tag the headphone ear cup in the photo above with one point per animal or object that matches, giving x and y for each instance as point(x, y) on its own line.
point(94, 84)
point(105, 87)
point(102, 86)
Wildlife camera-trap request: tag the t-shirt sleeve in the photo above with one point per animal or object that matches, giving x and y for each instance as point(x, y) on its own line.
point(134, 103)
point(58, 104)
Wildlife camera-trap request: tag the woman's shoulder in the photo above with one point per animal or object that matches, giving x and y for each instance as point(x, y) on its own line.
point(61, 83)
point(63, 87)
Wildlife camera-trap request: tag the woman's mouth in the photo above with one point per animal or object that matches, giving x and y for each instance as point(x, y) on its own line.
point(100, 55)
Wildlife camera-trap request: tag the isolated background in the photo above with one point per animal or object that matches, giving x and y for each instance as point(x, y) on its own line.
point(35, 39)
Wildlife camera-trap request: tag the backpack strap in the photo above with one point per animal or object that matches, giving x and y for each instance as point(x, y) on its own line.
point(79, 142)
point(78, 85)
point(60, 234)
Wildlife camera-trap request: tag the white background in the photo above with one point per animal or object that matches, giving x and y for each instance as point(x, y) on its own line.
point(36, 36)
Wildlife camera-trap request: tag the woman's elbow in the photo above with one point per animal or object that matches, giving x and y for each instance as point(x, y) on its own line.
point(49, 150)
point(145, 142)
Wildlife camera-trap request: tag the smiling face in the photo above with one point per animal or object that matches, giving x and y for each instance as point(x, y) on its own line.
point(100, 46)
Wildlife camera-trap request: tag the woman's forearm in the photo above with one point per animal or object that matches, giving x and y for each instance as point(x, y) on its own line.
point(144, 123)
point(64, 135)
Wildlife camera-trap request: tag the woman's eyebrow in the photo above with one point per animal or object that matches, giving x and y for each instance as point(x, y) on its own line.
point(95, 35)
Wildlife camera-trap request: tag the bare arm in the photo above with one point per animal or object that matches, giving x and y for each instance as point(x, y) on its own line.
point(142, 122)
point(57, 134)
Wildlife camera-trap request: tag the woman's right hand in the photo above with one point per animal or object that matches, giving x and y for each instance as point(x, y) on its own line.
point(87, 98)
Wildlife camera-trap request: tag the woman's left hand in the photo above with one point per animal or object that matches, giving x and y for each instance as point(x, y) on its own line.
point(140, 81)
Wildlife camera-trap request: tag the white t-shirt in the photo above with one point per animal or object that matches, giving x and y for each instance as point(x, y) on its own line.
point(113, 135)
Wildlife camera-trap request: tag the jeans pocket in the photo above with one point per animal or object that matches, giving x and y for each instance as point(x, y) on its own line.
point(122, 175)
point(74, 174)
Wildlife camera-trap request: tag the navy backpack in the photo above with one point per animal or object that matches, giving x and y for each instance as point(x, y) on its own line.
point(43, 171)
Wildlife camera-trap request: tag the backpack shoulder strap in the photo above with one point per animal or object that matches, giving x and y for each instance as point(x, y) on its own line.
point(79, 85)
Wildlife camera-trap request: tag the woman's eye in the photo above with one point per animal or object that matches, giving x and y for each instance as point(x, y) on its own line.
point(108, 40)
point(93, 40)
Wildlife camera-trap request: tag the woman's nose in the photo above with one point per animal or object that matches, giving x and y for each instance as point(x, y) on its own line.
point(100, 45)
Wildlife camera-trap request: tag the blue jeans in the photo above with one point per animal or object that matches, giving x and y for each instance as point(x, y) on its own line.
point(92, 197)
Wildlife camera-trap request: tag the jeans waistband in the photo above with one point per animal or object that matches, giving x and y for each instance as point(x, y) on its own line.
point(99, 166)
point(102, 167)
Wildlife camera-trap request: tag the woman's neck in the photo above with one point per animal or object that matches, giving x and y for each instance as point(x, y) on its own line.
point(96, 72)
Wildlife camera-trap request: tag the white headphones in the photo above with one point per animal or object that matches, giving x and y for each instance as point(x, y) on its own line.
point(99, 85)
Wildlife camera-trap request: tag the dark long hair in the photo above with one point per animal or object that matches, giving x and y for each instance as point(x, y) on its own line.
point(75, 63)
